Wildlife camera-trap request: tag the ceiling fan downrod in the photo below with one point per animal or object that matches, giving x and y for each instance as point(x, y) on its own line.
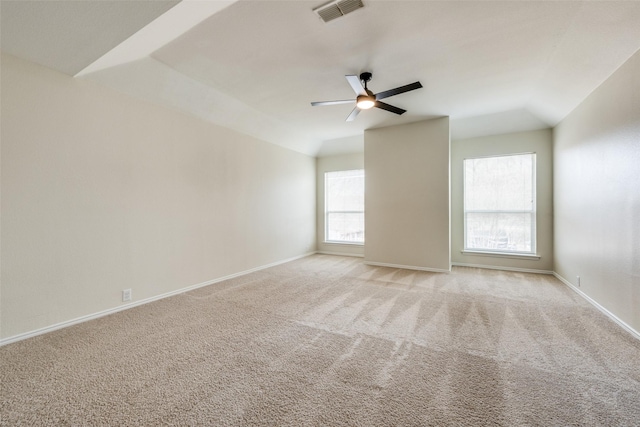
point(369, 100)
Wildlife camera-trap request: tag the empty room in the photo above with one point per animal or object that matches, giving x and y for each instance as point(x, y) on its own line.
point(312, 213)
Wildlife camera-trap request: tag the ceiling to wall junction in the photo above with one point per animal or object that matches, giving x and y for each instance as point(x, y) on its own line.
point(255, 66)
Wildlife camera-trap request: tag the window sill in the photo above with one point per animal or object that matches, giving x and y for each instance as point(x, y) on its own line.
point(331, 242)
point(502, 254)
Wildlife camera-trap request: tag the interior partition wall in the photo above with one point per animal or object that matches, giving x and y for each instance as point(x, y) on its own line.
point(407, 216)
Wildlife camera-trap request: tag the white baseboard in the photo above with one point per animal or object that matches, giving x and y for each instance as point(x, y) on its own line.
point(593, 302)
point(407, 267)
point(86, 318)
point(92, 316)
point(339, 254)
point(492, 267)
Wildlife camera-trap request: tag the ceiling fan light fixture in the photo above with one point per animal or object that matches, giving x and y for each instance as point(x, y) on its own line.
point(365, 102)
point(366, 99)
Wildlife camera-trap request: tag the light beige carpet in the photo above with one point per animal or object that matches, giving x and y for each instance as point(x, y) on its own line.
point(328, 341)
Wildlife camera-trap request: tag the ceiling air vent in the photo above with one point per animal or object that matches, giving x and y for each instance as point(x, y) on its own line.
point(336, 9)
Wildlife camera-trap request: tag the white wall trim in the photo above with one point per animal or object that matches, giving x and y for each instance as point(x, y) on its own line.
point(500, 254)
point(407, 267)
point(339, 254)
point(337, 243)
point(88, 317)
point(593, 302)
point(99, 314)
point(496, 267)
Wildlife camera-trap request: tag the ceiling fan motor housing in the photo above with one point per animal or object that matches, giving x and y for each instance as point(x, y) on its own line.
point(366, 101)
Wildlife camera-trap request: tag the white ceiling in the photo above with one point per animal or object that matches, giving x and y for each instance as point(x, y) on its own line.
point(255, 66)
point(69, 35)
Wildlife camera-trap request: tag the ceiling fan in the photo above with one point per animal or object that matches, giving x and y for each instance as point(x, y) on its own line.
point(366, 99)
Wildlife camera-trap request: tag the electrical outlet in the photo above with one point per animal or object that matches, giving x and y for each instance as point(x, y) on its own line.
point(578, 280)
point(126, 295)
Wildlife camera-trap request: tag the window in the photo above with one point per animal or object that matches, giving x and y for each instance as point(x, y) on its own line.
point(344, 206)
point(499, 204)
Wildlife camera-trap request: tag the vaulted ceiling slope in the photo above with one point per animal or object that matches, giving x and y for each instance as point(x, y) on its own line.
point(255, 66)
point(69, 35)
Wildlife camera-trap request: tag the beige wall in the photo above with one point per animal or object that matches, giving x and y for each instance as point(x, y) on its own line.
point(407, 195)
point(341, 162)
point(597, 194)
point(539, 142)
point(102, 192)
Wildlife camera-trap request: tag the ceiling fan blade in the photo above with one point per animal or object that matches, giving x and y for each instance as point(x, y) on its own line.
point(353, 114)
point(388, 107)
point(344, 101)
point(357, 87)
point(398, 90)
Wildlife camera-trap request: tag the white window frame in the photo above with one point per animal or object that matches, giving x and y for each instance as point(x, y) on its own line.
point(533, 211)
point(327, 212)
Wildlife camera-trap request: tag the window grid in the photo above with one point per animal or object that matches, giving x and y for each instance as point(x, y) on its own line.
point(344, 207)
point(499, 204)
